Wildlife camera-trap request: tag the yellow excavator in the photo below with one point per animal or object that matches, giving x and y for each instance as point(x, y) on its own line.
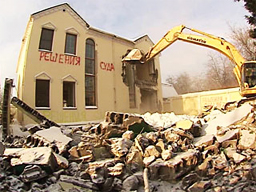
point(245, 71)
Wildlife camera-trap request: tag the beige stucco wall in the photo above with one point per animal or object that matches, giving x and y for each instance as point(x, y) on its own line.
point(193, 103)
point(112, 93)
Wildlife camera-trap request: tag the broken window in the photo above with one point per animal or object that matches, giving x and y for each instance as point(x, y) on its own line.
point(42, 93)
point(69, 94)
point(46, 39)
point(70, 46)
point(90, 90)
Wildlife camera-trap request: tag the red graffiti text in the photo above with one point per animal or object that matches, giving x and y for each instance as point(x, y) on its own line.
point(107, 66)
point(59, 58)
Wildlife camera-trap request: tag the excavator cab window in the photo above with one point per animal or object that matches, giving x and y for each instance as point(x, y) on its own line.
point(250, 74)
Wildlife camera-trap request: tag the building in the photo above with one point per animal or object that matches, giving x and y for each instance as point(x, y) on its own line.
point(168, 91)
point(72, 72)
point(195, 103)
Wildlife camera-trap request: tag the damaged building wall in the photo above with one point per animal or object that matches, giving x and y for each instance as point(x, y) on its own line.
point(74, 92)
point(145, 78)
point(193, 103)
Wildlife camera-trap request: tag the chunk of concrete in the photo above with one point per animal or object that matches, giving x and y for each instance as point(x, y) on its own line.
point(219, 161)
point(119, 146)
point(131, 183)
point(134, 156)
point(148, 160)
point(128, 135)
point(152, 137)
point(188, 125)
point(185, 124)
point(229, 143)
point(204, 141)
point(227, 119)
point(232, 154)
point(160, 144)
point(200, 186)
point(166, 154)
point(171, 137)
point(247, 140)
point(61, 161)
point(151, 151)
point(54, 135)
point(109, 164)
point(32, 173)
point(36, 155)
point(116, 170)
point(175, 167)
point(189, 179)
point(229, 135)
point(203, 167)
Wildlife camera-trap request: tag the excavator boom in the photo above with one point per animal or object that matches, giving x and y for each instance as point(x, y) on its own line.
point(242, 67)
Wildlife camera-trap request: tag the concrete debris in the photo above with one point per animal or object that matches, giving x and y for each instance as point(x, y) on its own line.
point(227, 119)
point(32, 173)
point(128, 152)
point(247, 140)
point(52, 136)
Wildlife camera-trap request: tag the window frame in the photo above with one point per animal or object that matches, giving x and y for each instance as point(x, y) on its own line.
point(73, 94)
point(45, 40)
point(66, 51)
point(92, 74)
point(44, 96)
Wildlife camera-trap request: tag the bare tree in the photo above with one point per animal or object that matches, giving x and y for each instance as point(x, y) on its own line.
point(219, 73)
point(182, 83)
point(243, 42)
point(199, 83)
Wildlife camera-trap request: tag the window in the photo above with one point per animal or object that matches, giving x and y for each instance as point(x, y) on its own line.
point(42, 93)
point(90, 91)
point(46, 39)
point(70, 46)
point(69, 94)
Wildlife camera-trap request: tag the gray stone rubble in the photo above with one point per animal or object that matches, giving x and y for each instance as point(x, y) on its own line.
point(129, 152)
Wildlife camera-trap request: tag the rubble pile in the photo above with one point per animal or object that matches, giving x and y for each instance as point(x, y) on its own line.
point(128, 152)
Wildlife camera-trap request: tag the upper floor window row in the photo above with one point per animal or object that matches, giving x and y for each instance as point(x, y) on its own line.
point(46, 41)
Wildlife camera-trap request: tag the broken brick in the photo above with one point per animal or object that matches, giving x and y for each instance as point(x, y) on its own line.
point(247, 140)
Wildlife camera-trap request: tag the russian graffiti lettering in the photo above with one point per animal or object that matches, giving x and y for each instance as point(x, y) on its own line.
point(59, 58)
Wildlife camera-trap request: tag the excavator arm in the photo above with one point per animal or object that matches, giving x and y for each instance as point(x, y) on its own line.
point(202, 39)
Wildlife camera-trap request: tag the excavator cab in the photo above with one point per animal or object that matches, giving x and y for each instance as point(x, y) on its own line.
point(248, 81)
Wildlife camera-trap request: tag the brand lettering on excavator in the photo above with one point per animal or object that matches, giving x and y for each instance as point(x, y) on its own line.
point(196, 39)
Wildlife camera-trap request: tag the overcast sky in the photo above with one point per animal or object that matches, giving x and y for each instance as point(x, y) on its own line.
point(129, 19)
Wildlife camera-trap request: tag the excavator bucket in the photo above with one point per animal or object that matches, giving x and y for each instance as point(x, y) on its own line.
point(135, 55)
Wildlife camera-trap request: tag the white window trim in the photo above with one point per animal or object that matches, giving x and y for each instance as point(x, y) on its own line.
point(40, 76)
point(69, 108)
point(91, 107)
point(49, 25)
point(72, 30)
point(67, 77)
point(43, 108)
